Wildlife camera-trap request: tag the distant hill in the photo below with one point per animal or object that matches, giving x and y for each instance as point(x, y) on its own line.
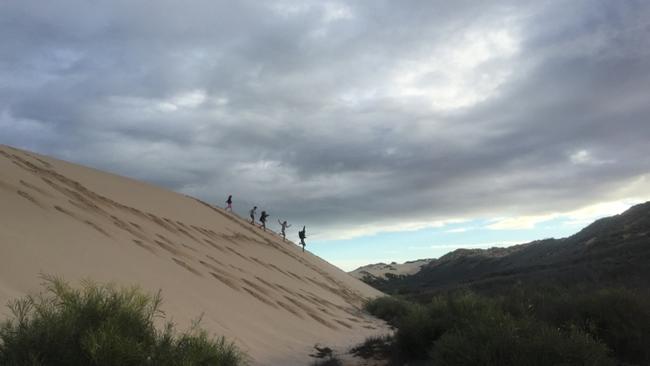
point(380, 271)
point(610, 251)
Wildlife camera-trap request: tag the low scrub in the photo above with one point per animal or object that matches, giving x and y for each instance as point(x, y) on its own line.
point(330, 361)
point(327, 357)
point(535, 326)
point(101, 325)
point(374, 347)
point(507, 341)
point(388, 308)
point(618, 317)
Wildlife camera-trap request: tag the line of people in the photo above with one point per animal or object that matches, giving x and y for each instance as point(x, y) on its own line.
point(264, 216)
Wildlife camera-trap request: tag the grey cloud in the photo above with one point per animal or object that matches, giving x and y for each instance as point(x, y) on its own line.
point(302, 115)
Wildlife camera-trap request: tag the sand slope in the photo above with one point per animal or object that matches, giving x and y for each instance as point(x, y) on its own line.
point(273, 300)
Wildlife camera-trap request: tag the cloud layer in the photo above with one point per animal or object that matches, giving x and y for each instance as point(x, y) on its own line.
point(341, 115)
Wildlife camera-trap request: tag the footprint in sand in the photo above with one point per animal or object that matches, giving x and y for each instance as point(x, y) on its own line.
point(35, 188)
point(170, 248)
point(215, 260)
point(160, 222)
point(343, 323)
point(80, 219)
point(290, 309)
point(260, 297)
point(215, 246)
point(29, 197)
point(238, 254)
point(187, 267)
point(226, 281)
point(144, 246)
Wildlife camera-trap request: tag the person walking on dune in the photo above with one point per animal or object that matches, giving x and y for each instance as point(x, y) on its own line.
point(284, 226)
point(263, 217)
point(252, 214)
point(302, 235)
point(229, 203)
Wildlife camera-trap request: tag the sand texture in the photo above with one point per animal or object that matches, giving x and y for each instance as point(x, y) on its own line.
point(273, 300)
point(381, 270)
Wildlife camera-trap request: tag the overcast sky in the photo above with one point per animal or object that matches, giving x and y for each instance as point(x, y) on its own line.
point(353, 117)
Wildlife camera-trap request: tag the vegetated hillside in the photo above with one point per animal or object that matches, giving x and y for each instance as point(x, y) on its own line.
point(610, 251)
point(266, 295)
point(381, 271)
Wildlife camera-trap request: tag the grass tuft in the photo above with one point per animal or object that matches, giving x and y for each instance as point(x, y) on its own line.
point(374, 347)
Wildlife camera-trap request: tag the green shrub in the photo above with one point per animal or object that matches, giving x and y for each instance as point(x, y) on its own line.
point(459, 309)
point(505, 341)
point(534, 325)
point(423, 325)
point(388, 308)
point(102, 325)
point(618, 317)
point(416, 332)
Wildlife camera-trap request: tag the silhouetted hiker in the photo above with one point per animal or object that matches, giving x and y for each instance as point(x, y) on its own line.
point(263, 217)
point(302, 236)
point(284, 226)
point(252, 213)
point(229, 202)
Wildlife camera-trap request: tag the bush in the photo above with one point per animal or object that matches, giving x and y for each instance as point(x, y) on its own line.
point(618, 317)
point(621, 318)
point(423, 325)
point(416, 333)
point(388, 308)
point(460, 309)
point(504, 341)
point(536, 328)
point(331, 361)
point(102, 325)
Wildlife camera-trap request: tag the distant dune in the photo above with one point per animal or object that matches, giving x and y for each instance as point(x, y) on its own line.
point(382, 270)
point(268, 296)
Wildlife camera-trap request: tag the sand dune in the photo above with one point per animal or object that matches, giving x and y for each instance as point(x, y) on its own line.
point(382, 270)
point(275, 301)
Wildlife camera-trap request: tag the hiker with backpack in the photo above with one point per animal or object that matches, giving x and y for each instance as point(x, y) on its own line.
point(302, 235)
point(263, 217)
point(252, 213)
point(284, 226)
point(229, 203)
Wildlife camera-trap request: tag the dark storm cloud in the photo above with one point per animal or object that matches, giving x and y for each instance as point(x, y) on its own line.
point(339, 114)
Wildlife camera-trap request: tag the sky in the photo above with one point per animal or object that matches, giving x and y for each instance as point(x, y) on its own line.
point(394, 130)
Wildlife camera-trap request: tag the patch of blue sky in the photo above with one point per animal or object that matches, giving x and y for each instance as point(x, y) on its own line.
point(434, 242)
